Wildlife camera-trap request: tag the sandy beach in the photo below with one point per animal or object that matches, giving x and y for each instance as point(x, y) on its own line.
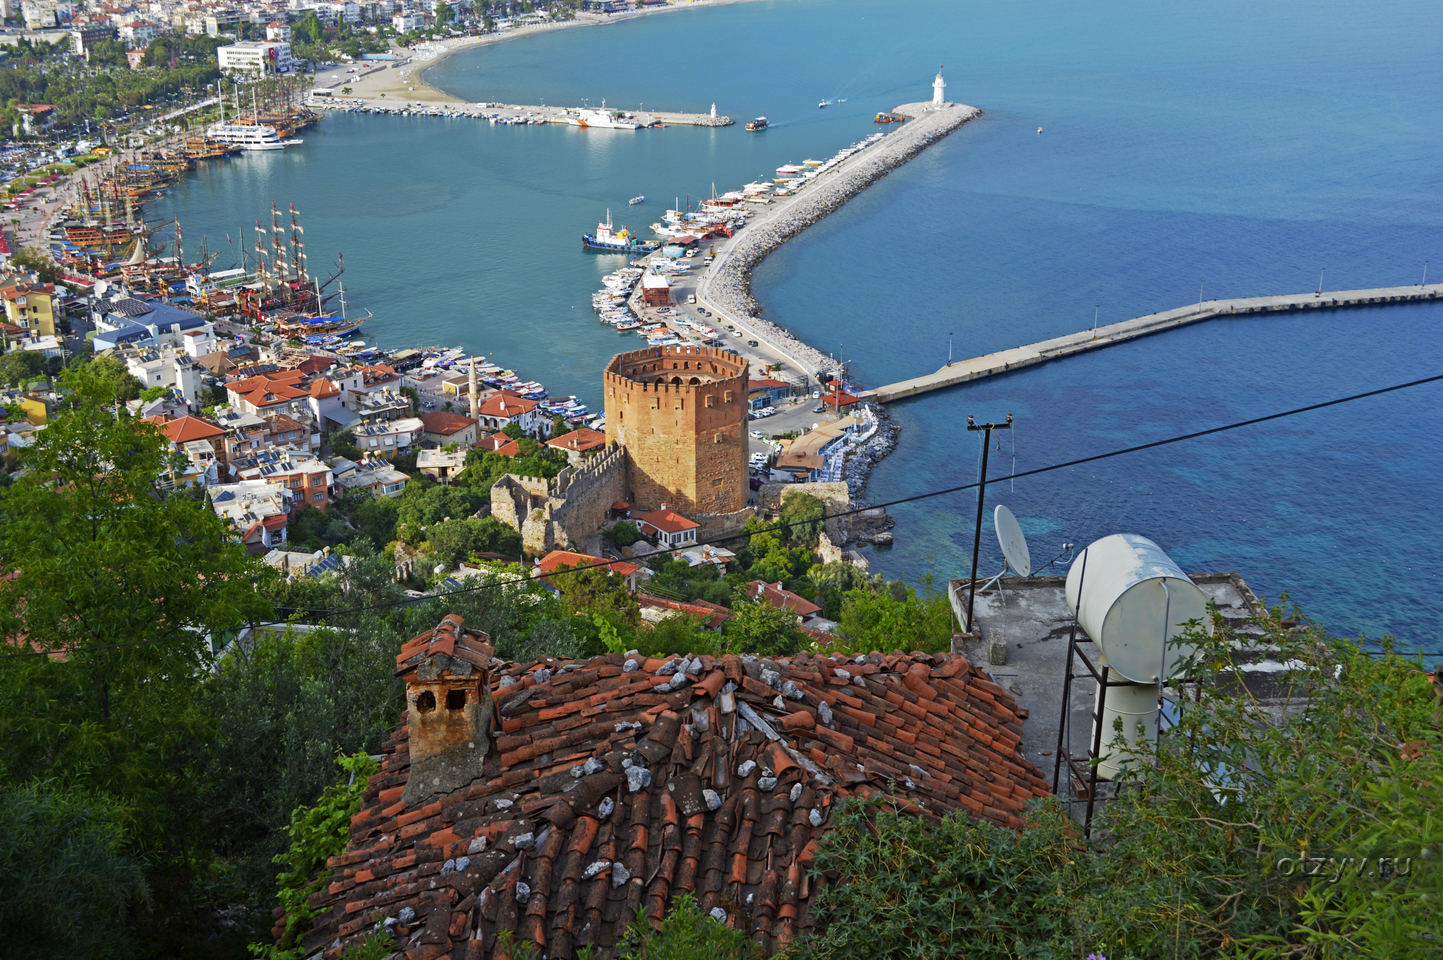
point(408, 84)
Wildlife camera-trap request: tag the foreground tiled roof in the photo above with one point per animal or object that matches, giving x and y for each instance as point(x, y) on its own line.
point(613, 785)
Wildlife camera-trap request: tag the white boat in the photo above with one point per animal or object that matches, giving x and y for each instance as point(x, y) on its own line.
point(637, 199)
point(789, 170)
point(247, 136)
point(605, 119)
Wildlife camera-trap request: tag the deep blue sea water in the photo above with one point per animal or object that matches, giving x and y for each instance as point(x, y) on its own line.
point(1238, 147)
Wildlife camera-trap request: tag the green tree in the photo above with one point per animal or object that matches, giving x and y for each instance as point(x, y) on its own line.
point(19, 367)
point(37, 262)
point(589, 591)
point(801, 516)
point(113, 377)
point(67, 880)
point(129, 585)
point(453, 541)
point(760, 628)
point(444, 14)
point(896, 618)
point(343, 444)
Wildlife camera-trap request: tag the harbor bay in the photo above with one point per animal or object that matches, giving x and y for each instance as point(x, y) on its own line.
point(464, 234)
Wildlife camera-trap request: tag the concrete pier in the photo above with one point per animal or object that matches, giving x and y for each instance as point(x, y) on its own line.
point(1005, 361)
point(726, 287)
point(509, 112)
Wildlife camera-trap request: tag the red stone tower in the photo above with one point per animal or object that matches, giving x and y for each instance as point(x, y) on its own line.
point(680, 414)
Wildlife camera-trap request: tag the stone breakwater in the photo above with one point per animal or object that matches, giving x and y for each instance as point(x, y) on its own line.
point(729, 287)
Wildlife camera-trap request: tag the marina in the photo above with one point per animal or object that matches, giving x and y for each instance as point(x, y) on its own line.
point(846, 280)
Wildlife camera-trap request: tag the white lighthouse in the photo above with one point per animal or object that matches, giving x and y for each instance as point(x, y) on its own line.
point(938, 86)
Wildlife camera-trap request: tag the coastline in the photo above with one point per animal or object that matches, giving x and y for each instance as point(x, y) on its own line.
point(726, 288)
point(426, 92)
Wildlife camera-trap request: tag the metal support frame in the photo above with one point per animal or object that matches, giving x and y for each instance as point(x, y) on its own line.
point(1074, 653)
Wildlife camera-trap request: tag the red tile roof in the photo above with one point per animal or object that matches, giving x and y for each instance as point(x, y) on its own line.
point(506, 405)
point(714, 614)
point(584, 440)
point(493, 443)
point(556, 558)
point(186, 429)
point(444, 424)
point(608, 787)
point(668, 521)
point(776, 596)
point(322, 388)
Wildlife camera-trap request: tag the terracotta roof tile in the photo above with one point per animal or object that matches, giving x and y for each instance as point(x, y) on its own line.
point(609, 788)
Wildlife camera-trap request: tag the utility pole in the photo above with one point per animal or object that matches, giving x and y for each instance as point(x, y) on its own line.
point(986, 429)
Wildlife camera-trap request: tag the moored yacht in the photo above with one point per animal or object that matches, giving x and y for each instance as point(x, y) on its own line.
point(247, 136)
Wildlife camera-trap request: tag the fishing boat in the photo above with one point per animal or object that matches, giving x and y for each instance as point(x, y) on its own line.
point(618, 241)
point(811, 163)
point(760, 123)
point(639, 198)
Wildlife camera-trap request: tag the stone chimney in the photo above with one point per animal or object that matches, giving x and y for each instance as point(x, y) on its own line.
point(447, 672)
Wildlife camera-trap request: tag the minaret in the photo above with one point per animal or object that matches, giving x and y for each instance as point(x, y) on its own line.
point(938, 86)
point(471, 389)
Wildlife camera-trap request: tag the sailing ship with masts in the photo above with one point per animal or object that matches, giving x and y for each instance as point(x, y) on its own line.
point(281, 292)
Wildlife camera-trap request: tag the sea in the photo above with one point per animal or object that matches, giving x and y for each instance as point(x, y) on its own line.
point(1132, 157)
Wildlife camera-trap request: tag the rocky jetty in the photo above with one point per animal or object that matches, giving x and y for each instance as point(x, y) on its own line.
point(730, 284)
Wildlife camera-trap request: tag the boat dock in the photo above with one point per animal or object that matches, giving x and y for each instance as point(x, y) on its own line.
point(510, 113)
point(994, 364)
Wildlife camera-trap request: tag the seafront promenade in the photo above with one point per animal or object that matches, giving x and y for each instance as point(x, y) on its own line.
point(726, 287)
point(1005, 361)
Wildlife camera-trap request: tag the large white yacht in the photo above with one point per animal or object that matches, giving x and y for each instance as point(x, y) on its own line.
point(247, 136)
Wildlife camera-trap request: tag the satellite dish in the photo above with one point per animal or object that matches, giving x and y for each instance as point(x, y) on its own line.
point(101, 288)
point(1014, 544)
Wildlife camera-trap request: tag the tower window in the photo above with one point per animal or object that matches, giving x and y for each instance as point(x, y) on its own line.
point(455, 699)
point(425, 701)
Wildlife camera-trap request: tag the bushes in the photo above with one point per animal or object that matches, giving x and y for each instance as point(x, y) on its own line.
point(67, 881)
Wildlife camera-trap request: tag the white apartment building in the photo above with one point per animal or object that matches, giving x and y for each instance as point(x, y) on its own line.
point(256, 56)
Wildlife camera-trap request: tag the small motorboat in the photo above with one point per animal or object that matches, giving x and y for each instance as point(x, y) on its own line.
point(637, 199)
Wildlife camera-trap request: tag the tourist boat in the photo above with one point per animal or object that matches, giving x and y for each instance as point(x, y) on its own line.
point(637, 199)
point(247, 136)
point(619, 241)
point(605, 119)
point(760, 123)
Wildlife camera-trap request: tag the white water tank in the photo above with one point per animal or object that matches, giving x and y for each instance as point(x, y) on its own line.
point(1135, 704)
point(1134, 600)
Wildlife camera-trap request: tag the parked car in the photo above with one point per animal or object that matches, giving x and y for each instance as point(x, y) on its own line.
point(691, 298)
point(819, 409)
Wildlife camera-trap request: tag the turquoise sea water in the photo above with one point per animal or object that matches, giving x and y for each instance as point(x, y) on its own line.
point(1239, 147)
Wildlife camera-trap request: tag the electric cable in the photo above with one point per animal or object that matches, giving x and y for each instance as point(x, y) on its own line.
point(960, 488)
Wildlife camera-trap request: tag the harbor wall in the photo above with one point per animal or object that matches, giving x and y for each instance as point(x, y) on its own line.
point(729, 287)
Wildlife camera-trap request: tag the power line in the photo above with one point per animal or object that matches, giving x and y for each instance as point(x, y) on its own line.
point(949, 490)
point(787, 526)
